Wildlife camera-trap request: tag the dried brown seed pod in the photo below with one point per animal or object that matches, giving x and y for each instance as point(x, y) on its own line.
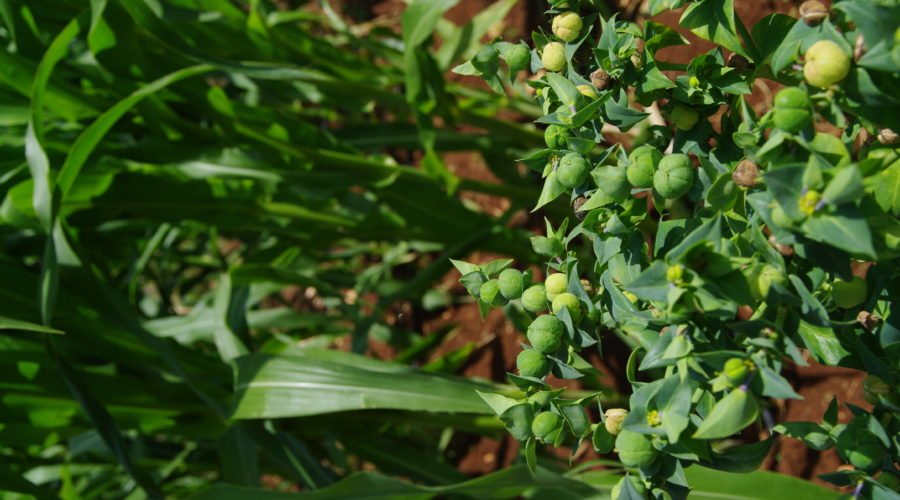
point(868, 320)
point(739, 62)
point(602, 80)
point(785, 250)
point(888, 136)
point(813, 12)
point(746, 174)
point(580, 214)
point(859, 48)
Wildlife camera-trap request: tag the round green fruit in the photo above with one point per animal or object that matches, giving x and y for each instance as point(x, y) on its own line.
point(572, 170)
point(635, 449)
point(826, 64)
point(792, 120)
point(684, 117)
point(849, 294)
point(642, 166)
point(615, 417)
point(555, 137)
point(674, 177)
point(531, 363)
point(546, 333)
point(554, 56)
point(791, 98)
point(567, 26)
point(556, 284)
point(736, 370)
point(518, 57)
point(534, 298)
point(544, 424)
point(511, 285)
point(570, 302)
point(489, 293)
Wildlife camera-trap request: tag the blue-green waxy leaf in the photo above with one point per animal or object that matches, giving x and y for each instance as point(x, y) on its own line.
point(775, 386)
point(812, 435)
point(845, 229)
point(730, 415)
point(651, 284)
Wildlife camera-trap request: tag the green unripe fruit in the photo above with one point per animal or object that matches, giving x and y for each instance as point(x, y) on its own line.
point(762, 278)
point(635, 449)
point(546, 333)
point(736, 370)
point(490, 293)
point(534, 298)
point(518, 57)
point(684, 117)
point(544, 424)
point(567, 26)
point(635, 481)
point(556, 284)
point(791, 98)
point(675, 273)
point(792, 120)
point(613, 181)
point(674, 177)
point(555, 137)
point(554, 56)
point(570, 302)
point(511, 283)
point(826, 64)
point(531, 363)
point(643, 164)
point(572, 170)
point(849, 294)
point(615, 417)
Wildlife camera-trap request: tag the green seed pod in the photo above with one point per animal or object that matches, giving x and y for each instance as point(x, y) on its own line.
point(613, 181)
point(555, 137)
point(826, 64)
point(642, 166)
point(736, 370)
point(545, 333)
point(674, 177)
point(534, 298)
point(518, 57)
point(556, 284)
point(791, 98)
point(635, 449)
point(554, 56)
point(567, 26)
point(792, 120)
point(615, 417)
point(849, 294)
point(572, 170)
point(544, 424)
point(616, 491)
point(511, 285)
point(762, 278)
point(570, 302)
point(531, 363)
point(684, 117)
point(490, 293)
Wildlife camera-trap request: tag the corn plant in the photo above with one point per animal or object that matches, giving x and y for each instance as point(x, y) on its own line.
point(720, 246)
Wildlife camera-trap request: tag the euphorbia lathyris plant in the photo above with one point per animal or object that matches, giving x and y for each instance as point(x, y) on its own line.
point(721, 246)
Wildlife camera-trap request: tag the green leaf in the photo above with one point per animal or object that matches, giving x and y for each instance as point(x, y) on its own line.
point(811, 434)
point(713, 20)
point(563, 88)
point(757, 485)
point(270, 386)
point(24, 326)
point(659, 6)
point(887, 188)
point(552, 189)
point(846, 229)
point(730, 415)
point(768, 34)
